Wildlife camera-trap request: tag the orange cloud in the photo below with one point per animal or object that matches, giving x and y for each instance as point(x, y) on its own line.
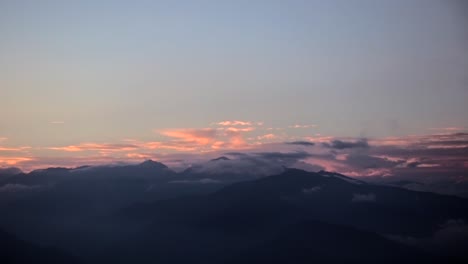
point(13, 149)
point(9, 161)
point(96, 147)
point(206, 139)
point(3, 148)
point(235, 140)
point(203, 136)
point(218, 144)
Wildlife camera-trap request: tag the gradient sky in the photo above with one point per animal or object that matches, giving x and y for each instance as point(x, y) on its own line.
point(166, 72)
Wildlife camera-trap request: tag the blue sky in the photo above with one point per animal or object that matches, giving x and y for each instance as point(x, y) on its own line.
point(80, 72)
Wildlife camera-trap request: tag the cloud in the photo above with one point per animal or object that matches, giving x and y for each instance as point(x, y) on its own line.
point(206, 139)
point(363, 197)
point(237, 123)
point(301, 143)
point(96, 147)
point(14, 148)
point(434, 158)
point(308, 166)
point(423, 141)
point(338, 144)
point(362, 161)
point(283, 156)
point(250, 164)
point(9, 161)
point(439, 155)
point(202, 136)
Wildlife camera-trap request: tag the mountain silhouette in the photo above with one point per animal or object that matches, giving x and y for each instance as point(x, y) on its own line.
point(9, 171)
point(265, 214)
point(146, 213)
point(221, 158)
point(15, 251)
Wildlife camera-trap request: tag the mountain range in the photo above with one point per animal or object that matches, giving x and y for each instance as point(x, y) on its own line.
point(147, 213)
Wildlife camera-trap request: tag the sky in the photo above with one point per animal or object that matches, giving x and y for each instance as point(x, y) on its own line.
point(106, 81)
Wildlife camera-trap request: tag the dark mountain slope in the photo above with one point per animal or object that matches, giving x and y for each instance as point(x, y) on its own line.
point(323, 196)
point(14, 251)
point(262, 220)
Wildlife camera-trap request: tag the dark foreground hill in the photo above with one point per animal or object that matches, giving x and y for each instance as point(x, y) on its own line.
point(15, 251)
point(295, 216)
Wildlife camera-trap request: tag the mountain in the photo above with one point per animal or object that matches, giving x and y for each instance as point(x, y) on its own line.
point(15, 251)
point(448, 186)
point(83, 188)
point(221, 158)
point(9, 171)
point(316, 242)
point(150, 164)
point(47, 206)
point(146, 169)
point(334, 198)
point(247, 219)
point(146, 213)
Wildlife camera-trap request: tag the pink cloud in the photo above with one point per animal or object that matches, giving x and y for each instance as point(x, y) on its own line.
point(320, 139)
point(448, 140)
point(227, 137)
point(234, 140)
point(10, 161)
point(235, 123)
point(203, 136)
point(383, 157)
point(14, 148)
point(448, 129)
point(96, 147)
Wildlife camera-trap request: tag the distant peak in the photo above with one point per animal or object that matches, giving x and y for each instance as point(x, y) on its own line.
point(10, 171)
point(340, 176)
point(220, 158)
point(149, 162)
point(153, 164)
